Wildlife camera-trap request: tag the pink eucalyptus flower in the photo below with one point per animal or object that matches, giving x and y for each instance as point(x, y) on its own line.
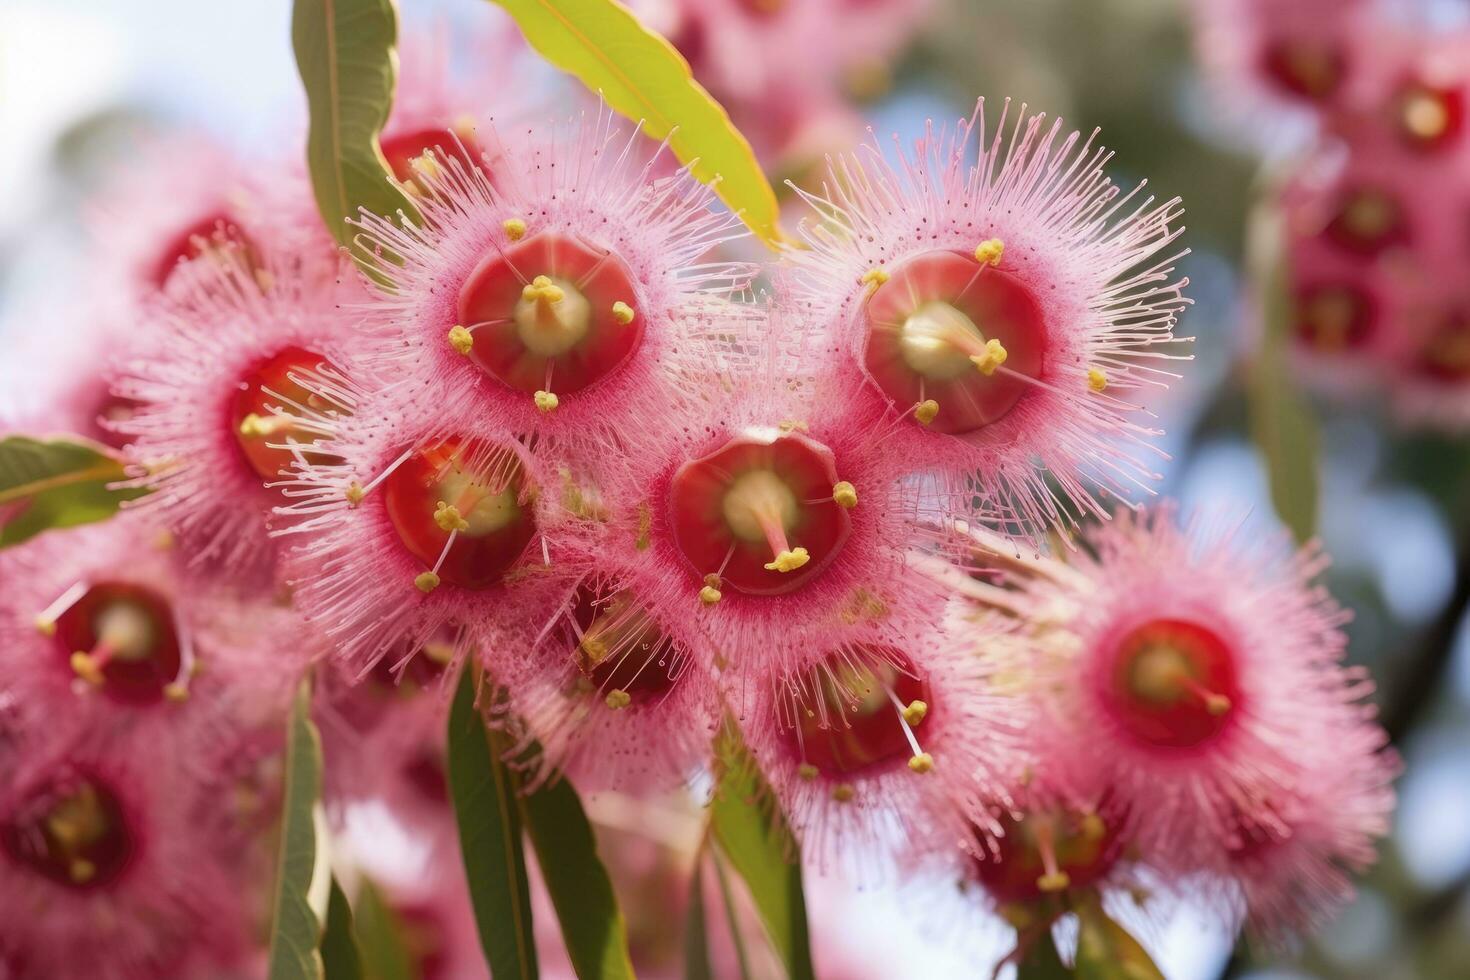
point(1007, 313)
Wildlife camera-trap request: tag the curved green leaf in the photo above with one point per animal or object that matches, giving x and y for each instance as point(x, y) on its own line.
point(341, 956)
point(753, 834)
point(1106, 951)
point(296, 929)
point(344, 52)
point(1281, 420)
point(1040, 959)
point(380, 935)
point(643, 77)
point(489, 816)
point(696, 933)
point(56, 483)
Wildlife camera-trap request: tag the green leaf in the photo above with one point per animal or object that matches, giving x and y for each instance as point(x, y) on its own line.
point(753, 834)
point(1040, 959)
point(566, 850)
point(344, 52)
point(1106, 951)
point(295, 926)
point(696, 934)
point(488, 811)
point(643, 77)
point(341, 957)
point(380, 934)
point(1281, 419)
point(56, 483)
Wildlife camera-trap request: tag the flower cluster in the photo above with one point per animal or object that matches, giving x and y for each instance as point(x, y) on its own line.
point(1374, 208)
point(552, 432)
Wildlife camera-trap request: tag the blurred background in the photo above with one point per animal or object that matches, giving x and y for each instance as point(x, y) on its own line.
point(81, 80)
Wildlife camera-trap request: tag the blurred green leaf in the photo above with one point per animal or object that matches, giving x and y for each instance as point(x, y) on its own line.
point(644, 78)
point(1105, 950)
point(486, 805)
point(1042, 961)
point(344, 52)
point(56, 483)
point(696, 933)
point(1281, 419)
point(296, 930)
point(752, 832)
point(380, 934)
point(341, 956)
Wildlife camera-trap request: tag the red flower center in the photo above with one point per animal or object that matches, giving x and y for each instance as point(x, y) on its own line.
point(550, 314)
point(214, 234)
point(1173, 684)
point(1429, 117)
point(1368, 221)
point(122, 639)
point(758, 513)
point(73, 831)
point(402, 149)
point(853, 711)
point(1332, 318)
point(1308, 68)
point(1046, 852)
point(462, 507)
point(1445, 355)
point(263, 435)
point(946, 328)
point(620, 647)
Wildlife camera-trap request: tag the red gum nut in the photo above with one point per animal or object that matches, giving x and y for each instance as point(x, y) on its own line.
point(588, 344)
point(1332, 317)
point(402, 149)
point(252, 423)
point(501, 523)
point(128, 632)
point(1173, 684)
point(215, 230)
point(935, 310)
point(1429, 117)
point(804, 472)
point(1368, 221)
point(1084, 847)
point(621, 647)
point(863, 729)
point(74, 831)
point(1309, 68)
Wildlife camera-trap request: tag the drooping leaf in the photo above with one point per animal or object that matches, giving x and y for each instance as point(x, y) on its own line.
point(486, 806)
point(56, 483)
point(296, 928)
point(380, 934)
point(1106, 951)
point(345, 54)
point(752, 833)
point(696, 933)
point(592, 925)
point(341, 956)
point(1281, 420)
point(644, 78)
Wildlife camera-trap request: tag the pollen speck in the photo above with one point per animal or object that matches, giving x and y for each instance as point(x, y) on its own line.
point(989, 251)
point(515, 229)
point(622, 312)
point(927, 411)
point(461, 339)
point(845, 495)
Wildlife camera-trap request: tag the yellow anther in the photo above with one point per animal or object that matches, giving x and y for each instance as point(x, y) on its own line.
point(426, 163)
point(989, 251)
point(253, 426)
point(542, 288)
point(915, 713)
point(46, 627)
point(1096, 380)
point(546, 401)
point(623, 313)
point(355, 493)
point(618, 699)
point(1057, 882)
point(1093, 827)
point(176, 692)
point(843, 792)
point(845, 494)
point(426, 581)
point(448, 517)
point(164, 540)
point(922, 763)
point(85, 667)
point(874, 278)
point(81, 870)
point(461, 339)
point(265, 280)
point(807, 771)
point(709, 595)
point(515, 229)
point(995, 355)
point(1217, 704)
point(789, 561)
point(927, 411)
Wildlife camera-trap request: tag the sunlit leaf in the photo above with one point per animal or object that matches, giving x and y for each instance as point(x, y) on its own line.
point(643, 77)
point(344, 52)
point(1106, 951)
point(341, 956)
point(56, 483)
point(752, 833)
point(296, 928)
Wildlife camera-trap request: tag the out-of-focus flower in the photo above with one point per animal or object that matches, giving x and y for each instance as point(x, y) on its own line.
point(1005, 313)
